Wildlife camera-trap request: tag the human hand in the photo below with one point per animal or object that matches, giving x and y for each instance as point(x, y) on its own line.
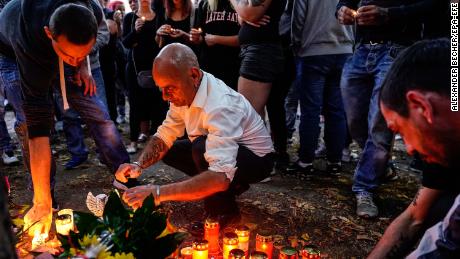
point(135, 196)
point(139, 23)
point(126, 171)
point(195, 36)
point(177, 33)
point(210, 39)
point(83, 76)
point(346, 15)
point(38, 219)
point(118, 16)
point(262, 22)
point(372, 15)
point(164, 30)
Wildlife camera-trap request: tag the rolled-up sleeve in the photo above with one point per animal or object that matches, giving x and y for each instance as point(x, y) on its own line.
point(172, 127)
point(224, 129)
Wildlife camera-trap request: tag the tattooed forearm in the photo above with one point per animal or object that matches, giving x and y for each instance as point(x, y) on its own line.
point(401, 248)
point(153, 152)
point(414, 202)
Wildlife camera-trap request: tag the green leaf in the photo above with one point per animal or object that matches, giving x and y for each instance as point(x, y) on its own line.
point(114, 209)
point(163, 247)
point(87, 223)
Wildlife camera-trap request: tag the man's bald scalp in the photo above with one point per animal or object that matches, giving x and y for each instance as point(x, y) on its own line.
point(178, 55)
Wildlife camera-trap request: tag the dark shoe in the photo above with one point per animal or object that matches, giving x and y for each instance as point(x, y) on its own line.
point(125, 186)
point(300, 169)
point(281, 161)
point(333, 168)
point(391, 174)
point(75, 162)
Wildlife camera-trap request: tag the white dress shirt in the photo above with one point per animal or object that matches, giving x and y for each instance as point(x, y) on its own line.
point(225, 117)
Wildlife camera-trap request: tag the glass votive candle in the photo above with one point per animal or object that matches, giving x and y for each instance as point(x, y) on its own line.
point(288, 252)
point(211, 234)
point(230, 242)
point(237, 254)
point(258, 255)
point(200, 249)
point(64, 222)
point(186, 252)
point(243, 233)
point(310, 251)
point(264, 243)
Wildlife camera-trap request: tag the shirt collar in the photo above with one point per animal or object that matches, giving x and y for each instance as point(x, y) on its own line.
point(202, 93)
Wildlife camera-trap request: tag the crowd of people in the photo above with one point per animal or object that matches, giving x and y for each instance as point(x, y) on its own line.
point(201, 77)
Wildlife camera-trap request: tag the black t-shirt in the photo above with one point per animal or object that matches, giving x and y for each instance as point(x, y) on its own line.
point(267, 33)
point(441, 178)
point(221, 61)
point(183, 25)
point(142, 44)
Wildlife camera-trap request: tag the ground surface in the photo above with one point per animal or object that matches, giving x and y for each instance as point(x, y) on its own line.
point(321, 207)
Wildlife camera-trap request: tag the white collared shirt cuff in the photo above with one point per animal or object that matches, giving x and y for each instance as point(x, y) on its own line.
point(229, 170)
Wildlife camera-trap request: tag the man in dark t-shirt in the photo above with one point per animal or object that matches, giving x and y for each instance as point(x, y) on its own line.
point(415, 102)
point(39, 35)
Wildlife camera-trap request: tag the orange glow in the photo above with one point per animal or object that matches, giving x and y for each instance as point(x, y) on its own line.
point(264, 243)
point(211, 234)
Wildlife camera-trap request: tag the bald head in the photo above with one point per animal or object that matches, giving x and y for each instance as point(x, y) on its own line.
point(178, 56)
point(176, 71)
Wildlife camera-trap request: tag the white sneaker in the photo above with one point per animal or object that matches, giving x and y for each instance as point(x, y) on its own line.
point(132, 148)
point(266, 180)
point(121, 119)
point(9, 158)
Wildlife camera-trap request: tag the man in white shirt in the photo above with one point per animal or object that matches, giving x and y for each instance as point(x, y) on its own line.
point(228, 146)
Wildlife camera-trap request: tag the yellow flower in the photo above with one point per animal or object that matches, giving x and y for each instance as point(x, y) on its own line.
point(88, 241)
point(104, 255)
point(122, 256)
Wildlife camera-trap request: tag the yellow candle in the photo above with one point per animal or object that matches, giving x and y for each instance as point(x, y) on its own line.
point(230, 243)
point(200, 249)
point(243, 238)
point(186, 252)
point(64, 222)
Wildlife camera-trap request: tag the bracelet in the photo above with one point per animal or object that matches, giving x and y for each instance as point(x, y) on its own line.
point(138, 164)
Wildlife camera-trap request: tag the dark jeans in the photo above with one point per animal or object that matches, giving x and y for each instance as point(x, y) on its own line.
point(318, 88)
point(5, 139)
point(92, 110)
point(188, 157)
point(362, 79)
point(275, 104)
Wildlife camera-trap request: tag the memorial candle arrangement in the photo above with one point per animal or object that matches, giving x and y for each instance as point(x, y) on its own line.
point(264, 243)
point(200, 249)
point(310, 252)
point(186, 252)
point(243, 238)
point(237, 254)
point(230, 242)
point(211, 234)
point(288, 252)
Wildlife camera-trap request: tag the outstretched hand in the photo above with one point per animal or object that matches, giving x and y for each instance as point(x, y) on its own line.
point(82, 76)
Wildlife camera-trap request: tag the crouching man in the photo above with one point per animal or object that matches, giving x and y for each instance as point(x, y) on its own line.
point(228, 146)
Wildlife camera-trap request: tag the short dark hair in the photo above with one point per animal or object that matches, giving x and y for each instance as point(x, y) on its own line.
point(424, 66)
point(74, 21)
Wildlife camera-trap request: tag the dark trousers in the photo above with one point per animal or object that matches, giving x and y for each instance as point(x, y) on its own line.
point(188, 157)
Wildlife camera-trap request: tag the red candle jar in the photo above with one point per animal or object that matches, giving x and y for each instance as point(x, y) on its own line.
point(211, 233)
point(264, 243)
point(310, 252)
point(288, 252)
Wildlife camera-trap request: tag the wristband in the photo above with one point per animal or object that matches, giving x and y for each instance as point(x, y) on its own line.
point(138, 164)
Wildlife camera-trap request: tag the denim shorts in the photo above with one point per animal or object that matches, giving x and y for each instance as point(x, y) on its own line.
point(261, 62)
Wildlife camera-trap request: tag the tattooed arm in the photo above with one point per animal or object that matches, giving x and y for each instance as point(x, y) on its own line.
point(406, 229)
point(153, 152)
point(251, 10)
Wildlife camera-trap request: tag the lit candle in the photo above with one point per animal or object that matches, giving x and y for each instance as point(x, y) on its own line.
point(288, 252)
point(258, 255)
point(143, 18)
point(211, 234)
point(200, 249)
point(236, 254)
point(230, 243)
point(64, 221)
point(243, 238)
point(264, 243)
point(310, 251)
point(39, 239)
point(186, 252)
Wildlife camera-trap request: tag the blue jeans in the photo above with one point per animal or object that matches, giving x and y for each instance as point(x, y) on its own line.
point(9, 77)
point(93, 110)
point(291, 103)
point(362, 79)
point(318, 88)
